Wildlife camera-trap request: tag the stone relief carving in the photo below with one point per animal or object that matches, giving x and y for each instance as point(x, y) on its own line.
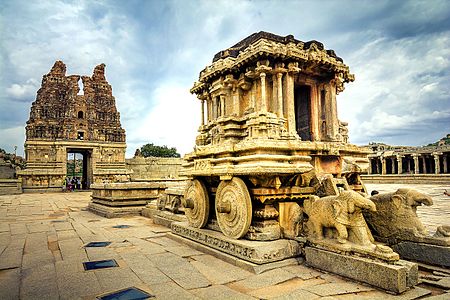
point(342, 212)
point(337, 223)
point(170, 203)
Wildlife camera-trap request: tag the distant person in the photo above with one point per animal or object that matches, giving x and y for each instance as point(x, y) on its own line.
point(374, 192)
point(78, 183)
point(69, 184)
point(64, 187)
point(73, 182)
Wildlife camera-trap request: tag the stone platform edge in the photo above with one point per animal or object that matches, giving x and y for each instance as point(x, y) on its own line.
point(252, 251)
point(406, 178)
point(426, 253)
point(396, 277)
point(114, 212)
point(246, 265)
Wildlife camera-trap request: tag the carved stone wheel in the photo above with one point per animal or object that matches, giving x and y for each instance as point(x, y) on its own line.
point(196, 203)
point(233, 208)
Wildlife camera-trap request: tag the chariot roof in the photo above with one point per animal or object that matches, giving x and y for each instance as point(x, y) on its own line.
point(311, 56)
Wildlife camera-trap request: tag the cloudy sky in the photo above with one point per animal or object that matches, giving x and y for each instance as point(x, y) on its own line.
point(155, 49)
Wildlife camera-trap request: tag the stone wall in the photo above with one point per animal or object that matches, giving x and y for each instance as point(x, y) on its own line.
point(10, 186)
point(7, 171)
point(145, 168)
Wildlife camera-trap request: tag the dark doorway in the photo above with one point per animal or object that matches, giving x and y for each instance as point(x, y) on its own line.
point(302, 94)
point(374, 166)
point(79, 169)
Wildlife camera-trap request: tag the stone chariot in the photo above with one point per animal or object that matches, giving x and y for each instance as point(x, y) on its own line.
point(269, 139)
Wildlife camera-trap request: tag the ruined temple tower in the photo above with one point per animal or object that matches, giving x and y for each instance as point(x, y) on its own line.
point(62, 121)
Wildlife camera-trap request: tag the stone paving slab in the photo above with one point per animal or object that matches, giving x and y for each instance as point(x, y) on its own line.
point(5, 238)
point(217, 271)
point(35, 259)
point(331, 289)
point(220, 292)
point(42, 255)
point(18, 228)
point(180, 271)
point(285, 288)
point(146, 246)
point(183, 251)
point(36, 242)
point(171, 290)
point(10, 258)
point(298, 295)
point(78, 284)
point(17, 242)
point(9, 284)
point(303, 272)
point(112, 279)
point(39, 283)
point(37, 227)
point(60, 226)
point(265, 279)
point(100, 253)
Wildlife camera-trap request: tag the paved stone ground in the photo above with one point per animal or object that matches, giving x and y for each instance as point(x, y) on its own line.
point(41, 255)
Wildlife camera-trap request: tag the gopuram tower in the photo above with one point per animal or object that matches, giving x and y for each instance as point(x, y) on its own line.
point(63, 123)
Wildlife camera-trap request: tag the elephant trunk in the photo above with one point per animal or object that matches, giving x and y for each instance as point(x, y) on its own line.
point(427, 200)
point(371, 206)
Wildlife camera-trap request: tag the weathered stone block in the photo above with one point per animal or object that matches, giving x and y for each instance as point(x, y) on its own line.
point(114, 212)
point(391, 277)
point(258, 252)
point(120, 199)
point(430, 254)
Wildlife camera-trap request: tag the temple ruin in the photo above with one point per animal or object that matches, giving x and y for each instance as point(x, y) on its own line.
point(386, 159)
point(63, 121)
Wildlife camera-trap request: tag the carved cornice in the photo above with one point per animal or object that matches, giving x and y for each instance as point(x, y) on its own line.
point(297, 51)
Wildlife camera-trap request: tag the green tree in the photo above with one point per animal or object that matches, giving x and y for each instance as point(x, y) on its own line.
point(158, 151)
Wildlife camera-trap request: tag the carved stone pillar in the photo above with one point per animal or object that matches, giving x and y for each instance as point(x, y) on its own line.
point(383, 166)
point(416, 163)
point(214, 108)
point(263, 107)
point(437, 166)
point(233, 94)
point(222, 105)
point(399, 164)
point(289, 91)
point(236, 104)
point(424, 164)
point(209, 109)
point(203, 112)
point(280, 94)
point(369, 169)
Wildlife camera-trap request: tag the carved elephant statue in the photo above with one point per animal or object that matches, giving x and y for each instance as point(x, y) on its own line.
point(396, 215)
point(341, 212)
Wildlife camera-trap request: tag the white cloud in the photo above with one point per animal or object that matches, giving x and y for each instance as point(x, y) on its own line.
point(173, 120)
point(13, 137)
point(24, 91)
point(398, 87)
